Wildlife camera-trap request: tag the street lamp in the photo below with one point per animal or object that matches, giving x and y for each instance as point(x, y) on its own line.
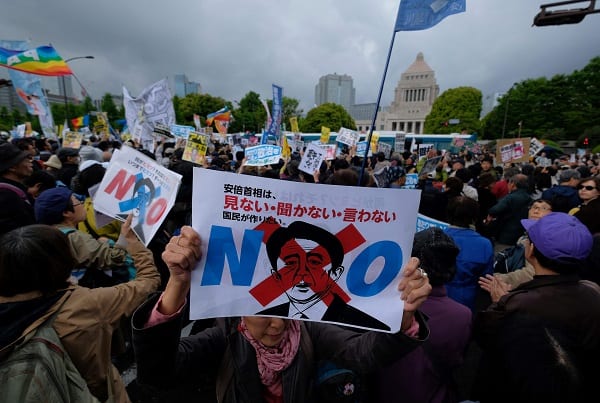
point(65, 86)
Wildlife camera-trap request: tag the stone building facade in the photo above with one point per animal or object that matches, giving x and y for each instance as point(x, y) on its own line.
point(413, 98)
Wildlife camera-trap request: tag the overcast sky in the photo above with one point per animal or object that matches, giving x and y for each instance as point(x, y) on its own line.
point(234, 46)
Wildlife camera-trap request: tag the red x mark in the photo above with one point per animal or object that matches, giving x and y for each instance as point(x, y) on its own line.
point(269, 289)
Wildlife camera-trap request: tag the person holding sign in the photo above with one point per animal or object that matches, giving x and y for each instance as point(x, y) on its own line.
point(260, 358)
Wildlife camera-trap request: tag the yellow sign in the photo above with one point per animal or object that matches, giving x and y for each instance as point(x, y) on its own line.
point(374, 141)
point(72, 140)
point(325, 131)
point(285, 148)
point(195, 148)
point(294, 124)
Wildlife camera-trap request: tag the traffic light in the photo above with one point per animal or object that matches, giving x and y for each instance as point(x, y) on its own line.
point(586, 141)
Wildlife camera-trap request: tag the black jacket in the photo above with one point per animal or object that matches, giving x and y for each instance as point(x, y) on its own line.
point(164, 360)
point(16, 208)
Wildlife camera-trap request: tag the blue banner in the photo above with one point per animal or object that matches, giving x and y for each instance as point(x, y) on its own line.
point(276, 113)
point(416, 15)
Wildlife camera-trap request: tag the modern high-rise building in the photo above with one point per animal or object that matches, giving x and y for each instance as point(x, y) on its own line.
point(335, 88)
point(184, 87)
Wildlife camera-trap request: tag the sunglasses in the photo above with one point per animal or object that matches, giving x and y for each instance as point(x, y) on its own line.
point(588, 187)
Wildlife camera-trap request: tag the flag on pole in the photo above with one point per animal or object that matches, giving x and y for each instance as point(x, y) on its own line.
point(42, 60)
point(416, 15)
point(80, 121)
point(222, 114)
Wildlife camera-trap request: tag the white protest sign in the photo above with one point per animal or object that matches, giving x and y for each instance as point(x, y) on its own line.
point(347, 136)
point(135, 183)
point(312, 158)
point(399, 142)
point(353, 241)
point(264, 154)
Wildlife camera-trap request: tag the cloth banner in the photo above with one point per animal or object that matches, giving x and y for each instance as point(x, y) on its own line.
point(154, 105)
point(416, 15)
point(260, 235)
point(43, 60)
point(274, 128)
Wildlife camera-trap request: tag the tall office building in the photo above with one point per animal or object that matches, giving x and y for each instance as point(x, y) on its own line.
point(335, 88)
point(65, 86)
point(184, 87)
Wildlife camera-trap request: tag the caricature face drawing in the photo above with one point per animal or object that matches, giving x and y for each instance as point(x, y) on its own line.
point(312, 259)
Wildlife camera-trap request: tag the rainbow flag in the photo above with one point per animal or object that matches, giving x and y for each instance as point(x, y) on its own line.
point(223, 114)
point(80, 121)
point(42, 60)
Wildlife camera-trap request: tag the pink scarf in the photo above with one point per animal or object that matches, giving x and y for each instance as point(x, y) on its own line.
point(273, 360)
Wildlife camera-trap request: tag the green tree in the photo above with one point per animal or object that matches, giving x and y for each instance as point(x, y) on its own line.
point(329, 115)
point(87, 106)
point(107, 104)
point(201, 104)
point(561, 108)
point(250, 115)
point(462, 103)
point(6, 122)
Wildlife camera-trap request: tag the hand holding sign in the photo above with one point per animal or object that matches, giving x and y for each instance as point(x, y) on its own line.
point(414, 287)
point(181, 255)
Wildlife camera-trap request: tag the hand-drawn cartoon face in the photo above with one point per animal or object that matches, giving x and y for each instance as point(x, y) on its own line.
point(307, 263)
point(312, 261)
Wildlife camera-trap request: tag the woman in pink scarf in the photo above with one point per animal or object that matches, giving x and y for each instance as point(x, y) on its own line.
point(260, 359)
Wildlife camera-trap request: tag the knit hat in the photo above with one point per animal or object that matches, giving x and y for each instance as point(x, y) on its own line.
point(89, 153)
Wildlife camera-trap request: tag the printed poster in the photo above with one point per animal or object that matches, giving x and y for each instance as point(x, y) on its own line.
point(347, 136)
point(135, 183)
point(325, 133)
point(512, 150)
point(330, 150)
point(72, 140)
point(261, 155)
point(299, 250)
point(195, 148)
point(312, 158)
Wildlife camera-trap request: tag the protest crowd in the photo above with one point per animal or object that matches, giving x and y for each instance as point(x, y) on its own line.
point(503, 303)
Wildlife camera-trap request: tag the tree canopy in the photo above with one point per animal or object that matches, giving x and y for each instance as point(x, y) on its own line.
point(560, 108)
point(329, 115)
point(462, 104)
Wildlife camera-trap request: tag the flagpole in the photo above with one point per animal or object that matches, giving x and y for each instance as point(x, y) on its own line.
point(387, 63)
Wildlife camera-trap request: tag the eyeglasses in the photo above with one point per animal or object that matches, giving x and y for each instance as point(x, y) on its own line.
point(77, 204)
point(539, 208)
point(588, 187)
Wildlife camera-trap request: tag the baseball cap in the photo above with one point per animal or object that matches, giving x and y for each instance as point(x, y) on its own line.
point(560, 236)
point(51, 204)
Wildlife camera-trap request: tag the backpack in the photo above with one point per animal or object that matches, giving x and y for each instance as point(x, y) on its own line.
point(16, 190)
point(509, 259)
point(38, 369)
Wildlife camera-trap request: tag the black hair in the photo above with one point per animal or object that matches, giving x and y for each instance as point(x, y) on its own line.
point(34, 258)
point(46, 180)
point(462, 211)
point(304, 230)
point(437, 254)
point(563, 266)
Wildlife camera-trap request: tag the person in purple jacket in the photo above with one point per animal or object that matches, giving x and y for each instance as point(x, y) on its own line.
point(431, 365)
